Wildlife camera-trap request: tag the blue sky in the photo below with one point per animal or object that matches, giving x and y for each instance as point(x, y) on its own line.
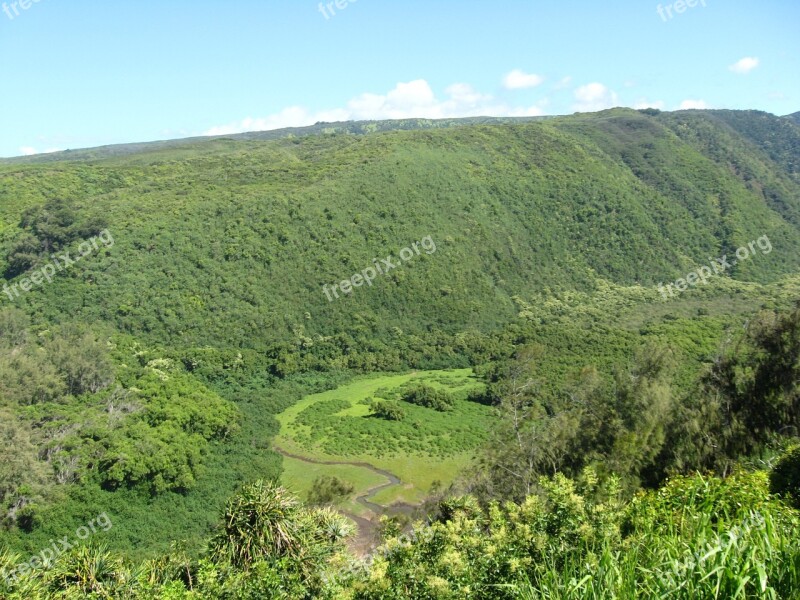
point(80, 73)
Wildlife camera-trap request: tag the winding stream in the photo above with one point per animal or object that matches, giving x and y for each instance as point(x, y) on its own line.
point(366, 498)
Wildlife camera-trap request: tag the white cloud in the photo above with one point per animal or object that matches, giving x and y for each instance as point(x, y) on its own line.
point(593, 97)
point(413, 99)
point(519, 80)
point(561, 84)
point(30, 150)
point(689, 104)
point(659, 104)
point(465, 93)
point(745, 65)
point(293, 116)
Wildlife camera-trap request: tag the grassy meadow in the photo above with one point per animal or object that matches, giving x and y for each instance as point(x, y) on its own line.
point(426, 447)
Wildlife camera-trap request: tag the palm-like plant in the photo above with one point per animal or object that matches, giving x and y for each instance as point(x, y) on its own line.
point(27, 586)
point(330, 526)
point(260, 522)
point(88, 571)
point(172, 566)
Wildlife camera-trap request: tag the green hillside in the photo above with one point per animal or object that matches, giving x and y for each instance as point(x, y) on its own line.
point(197, 323)
point(254, 230)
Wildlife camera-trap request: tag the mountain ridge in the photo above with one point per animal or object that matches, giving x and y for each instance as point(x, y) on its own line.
point(354, 127)
point(359, 127)
point(255, 229)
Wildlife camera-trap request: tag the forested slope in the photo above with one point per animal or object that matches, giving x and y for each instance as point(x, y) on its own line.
point(143, 379)
point(252, 231)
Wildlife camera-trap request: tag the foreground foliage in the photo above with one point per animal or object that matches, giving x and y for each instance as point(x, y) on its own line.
point(697, 537)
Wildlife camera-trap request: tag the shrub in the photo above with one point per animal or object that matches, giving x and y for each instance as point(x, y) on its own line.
point(388, 410)
point(328, 489)
point(429, 397)
point(785, 477)
point(261, 521)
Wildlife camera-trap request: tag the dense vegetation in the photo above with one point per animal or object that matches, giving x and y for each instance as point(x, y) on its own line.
point(697, 537)
point(429, 397)
point(622, 439)
point(253, 230)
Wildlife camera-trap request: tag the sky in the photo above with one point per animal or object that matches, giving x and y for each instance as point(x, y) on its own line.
point(84, 73)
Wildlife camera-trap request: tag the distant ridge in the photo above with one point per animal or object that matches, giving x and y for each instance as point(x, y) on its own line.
point(319, 128)
point(329, 128)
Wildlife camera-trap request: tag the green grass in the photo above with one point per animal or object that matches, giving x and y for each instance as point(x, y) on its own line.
point(299, 475)
point(426, 447)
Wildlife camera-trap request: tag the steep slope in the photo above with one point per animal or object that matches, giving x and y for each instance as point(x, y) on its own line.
point(229, 243)
point(778, 140)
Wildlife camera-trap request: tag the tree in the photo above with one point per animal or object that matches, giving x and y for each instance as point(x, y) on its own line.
point(22, 474)
point(327, 489)
point(49, 228)
point(13, 328)
point(537, 428)
point(785, 476)
point(429, 397)
point(749, 395)
point(387, 410)
point(644, 408)
point(544, 431)
point(27, 378)
point(82, 361)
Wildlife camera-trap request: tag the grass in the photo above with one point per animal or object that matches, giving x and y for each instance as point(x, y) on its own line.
point(298, 477)
point(757, 559)
point(426, 447)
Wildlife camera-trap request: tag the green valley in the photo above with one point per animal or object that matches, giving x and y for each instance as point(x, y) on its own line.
point(425, 448)
point(522, 407)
